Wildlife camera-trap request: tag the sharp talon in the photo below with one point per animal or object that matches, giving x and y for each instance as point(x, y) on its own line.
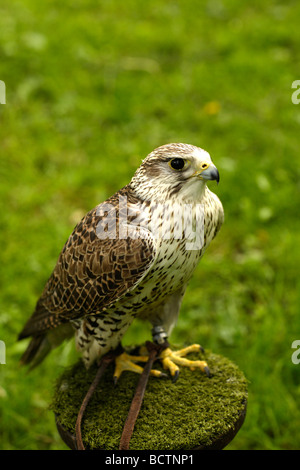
point(207, 371)
point(115, 380)
point(202, 349)
point(175, 377)
point(164, 376)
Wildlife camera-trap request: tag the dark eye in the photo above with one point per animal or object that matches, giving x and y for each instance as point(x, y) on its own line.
point(177, 163)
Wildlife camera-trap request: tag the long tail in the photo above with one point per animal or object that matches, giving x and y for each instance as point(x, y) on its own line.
point(41, 344)
point(36, 351)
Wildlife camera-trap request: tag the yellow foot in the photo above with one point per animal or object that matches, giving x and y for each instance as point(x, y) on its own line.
point(128, 362)
point(172, 359)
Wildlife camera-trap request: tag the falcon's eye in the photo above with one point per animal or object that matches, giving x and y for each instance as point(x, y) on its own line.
point(177, 163)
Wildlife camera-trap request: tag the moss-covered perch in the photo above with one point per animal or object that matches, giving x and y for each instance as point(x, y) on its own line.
point(196, 412)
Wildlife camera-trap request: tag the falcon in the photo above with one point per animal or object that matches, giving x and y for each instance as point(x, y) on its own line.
point(131, 256)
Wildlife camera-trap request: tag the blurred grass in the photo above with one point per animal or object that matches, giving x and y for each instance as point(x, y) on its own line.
point(91, 88)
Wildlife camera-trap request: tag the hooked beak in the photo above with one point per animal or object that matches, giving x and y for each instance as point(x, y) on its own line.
point(209, 173)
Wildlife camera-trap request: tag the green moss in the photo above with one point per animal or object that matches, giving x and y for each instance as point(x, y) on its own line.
point(195, 410)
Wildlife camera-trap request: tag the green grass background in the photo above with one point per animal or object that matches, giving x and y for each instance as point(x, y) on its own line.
point(91, 88)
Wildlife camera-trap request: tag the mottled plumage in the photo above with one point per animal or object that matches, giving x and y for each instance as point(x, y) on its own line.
point(109, 273)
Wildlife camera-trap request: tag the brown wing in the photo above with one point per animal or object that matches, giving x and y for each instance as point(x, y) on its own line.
point(91, 273)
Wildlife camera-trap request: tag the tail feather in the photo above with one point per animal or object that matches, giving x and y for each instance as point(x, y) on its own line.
point(36, 351)
point(40, 345)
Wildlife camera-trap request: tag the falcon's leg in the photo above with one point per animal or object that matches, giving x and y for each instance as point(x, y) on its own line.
point(94, 338)
point(172, 359)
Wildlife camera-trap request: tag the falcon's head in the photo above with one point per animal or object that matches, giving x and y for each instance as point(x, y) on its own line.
point(174, 170)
